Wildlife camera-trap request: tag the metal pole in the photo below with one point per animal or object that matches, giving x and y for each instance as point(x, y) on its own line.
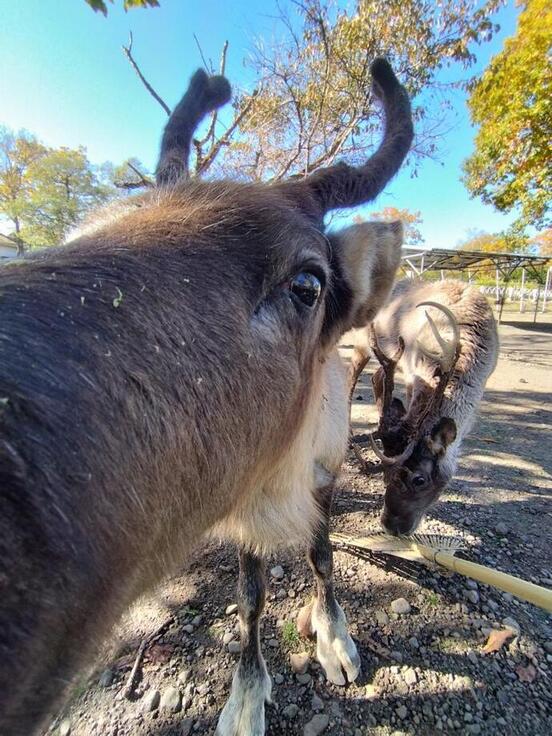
point(497, 294)
point(521, 304)
point(546, 287)
point(442, 275)
point(536, 305)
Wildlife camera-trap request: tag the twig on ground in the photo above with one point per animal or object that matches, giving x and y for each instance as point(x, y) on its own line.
point(146, 641)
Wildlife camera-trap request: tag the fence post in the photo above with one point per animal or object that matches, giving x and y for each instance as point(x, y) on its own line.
point(546, 287)
point(521, 304)
point(536, 305)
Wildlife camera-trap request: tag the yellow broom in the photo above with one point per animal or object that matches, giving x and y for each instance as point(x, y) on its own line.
point(441, 550)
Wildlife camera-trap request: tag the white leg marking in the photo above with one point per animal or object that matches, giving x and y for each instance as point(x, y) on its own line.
point(335, 650)
point(244, 712)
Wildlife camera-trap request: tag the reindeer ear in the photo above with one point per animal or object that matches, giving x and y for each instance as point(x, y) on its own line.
point(442, 434)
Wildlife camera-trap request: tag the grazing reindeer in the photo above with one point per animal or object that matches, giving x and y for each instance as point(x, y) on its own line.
point(172, 371)
point(421, 443)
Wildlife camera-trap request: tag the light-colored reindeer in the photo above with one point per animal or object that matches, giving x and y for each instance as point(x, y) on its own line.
point(444, 379)
point(172, 372)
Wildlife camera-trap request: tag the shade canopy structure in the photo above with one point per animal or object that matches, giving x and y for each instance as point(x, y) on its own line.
point(418, 261)
point(440, 259)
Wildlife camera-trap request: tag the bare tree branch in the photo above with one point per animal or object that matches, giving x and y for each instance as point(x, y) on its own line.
point(128, 185)
point(209, 71)
point(225, 139)
point(144, 180)
point(127, 50)
point(210, 135)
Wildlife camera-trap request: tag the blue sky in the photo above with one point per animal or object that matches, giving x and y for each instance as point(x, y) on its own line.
point(65, 79)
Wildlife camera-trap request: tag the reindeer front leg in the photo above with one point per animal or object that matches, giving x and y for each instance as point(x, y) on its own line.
point(335, 650)
point(243, 714)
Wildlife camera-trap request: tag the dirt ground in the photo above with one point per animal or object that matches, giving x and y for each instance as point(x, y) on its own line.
point(423, 672)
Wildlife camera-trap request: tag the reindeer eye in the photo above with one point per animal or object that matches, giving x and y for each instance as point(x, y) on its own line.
point(306, 287)
point(418, 480)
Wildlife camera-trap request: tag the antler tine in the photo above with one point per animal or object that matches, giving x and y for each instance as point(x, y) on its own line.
point(368, 468)
point(387, 367)
point(382, 358)
point(394, 459)
point(444, 370)
point(203, 95)
point(450, 349)
point(346, 186)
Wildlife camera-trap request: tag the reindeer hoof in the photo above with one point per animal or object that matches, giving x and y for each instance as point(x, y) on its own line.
point(244, 712)
point(335, 650)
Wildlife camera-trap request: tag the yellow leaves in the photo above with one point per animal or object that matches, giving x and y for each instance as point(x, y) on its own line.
point(511, 104)
point(497, 639)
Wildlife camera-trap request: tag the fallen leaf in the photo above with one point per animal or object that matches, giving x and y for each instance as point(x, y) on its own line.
point(159, 653)
point(497, 639)
point(526, 674)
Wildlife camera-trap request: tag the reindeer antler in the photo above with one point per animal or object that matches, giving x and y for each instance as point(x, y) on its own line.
point(446, 361)
point(450, 354)
point(385, 373)
point(426, 402)
point(203, 95)
point(346, 186)
point(383, 383)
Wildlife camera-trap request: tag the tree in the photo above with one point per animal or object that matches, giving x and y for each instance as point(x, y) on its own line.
point(44, 192)
point(543, 242)
point(63, 187)
point(513, 240)
point(512, 105)
point(100, 5)
point(410, 220)
point(17, 154)
point(313, 104)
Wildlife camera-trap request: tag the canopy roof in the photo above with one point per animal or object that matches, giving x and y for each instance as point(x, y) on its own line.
point(441, 259)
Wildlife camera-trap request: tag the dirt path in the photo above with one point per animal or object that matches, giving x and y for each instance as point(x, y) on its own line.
point(423, 672)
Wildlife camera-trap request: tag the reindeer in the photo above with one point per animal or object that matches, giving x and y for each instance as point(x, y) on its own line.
point(444, 379)
point(172, 372)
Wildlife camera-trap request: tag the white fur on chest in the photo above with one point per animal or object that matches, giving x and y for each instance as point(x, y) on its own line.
point(282, 511)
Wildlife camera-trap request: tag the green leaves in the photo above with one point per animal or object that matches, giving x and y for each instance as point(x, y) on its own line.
point(512, 103)
point(100, 5)
point(46, 191)
point(512, 240)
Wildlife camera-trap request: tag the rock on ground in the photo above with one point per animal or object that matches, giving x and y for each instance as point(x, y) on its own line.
point(171, 700)
point(317, 724)
point(400, 605)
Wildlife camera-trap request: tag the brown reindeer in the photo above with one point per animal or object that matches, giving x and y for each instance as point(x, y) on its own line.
point(172, 371)
point(444, 379)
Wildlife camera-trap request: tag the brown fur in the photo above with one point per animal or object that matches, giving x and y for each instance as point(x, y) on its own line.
point(158, 378)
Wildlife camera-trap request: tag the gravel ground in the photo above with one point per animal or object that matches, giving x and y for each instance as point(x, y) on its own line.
point(424, 671)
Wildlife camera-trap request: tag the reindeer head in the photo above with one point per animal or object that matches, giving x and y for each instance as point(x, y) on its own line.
point(252, 292)
point(414, 439)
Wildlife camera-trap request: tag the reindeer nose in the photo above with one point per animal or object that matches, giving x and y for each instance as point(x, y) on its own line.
point(396, 525)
